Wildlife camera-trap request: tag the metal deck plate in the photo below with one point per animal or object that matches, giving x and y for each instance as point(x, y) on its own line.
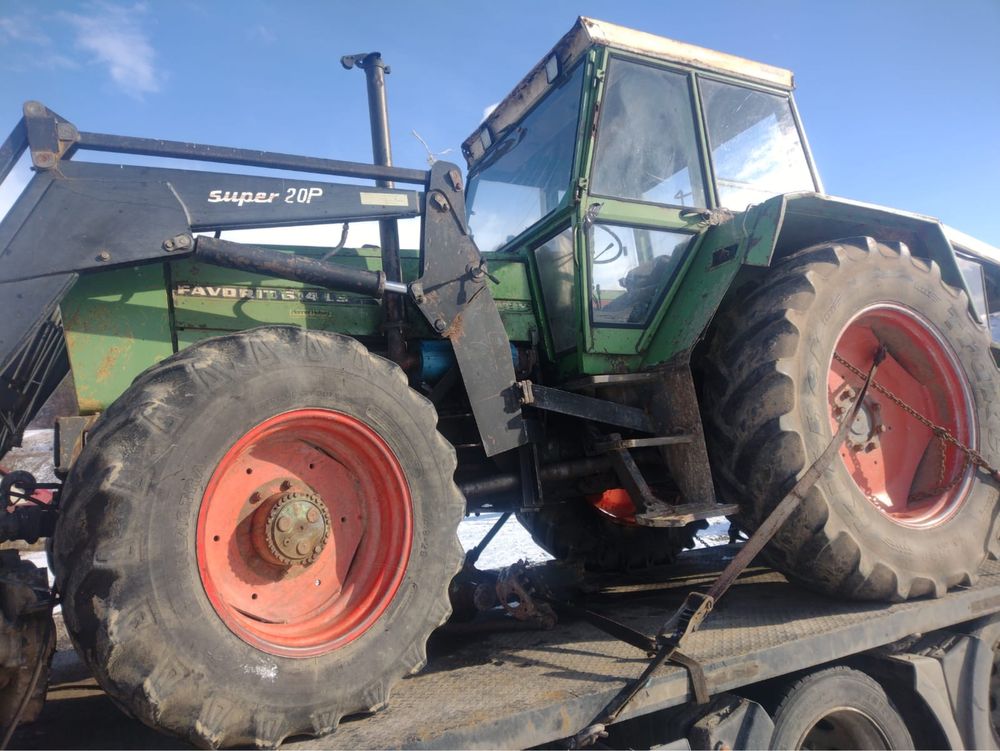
point(516, 690)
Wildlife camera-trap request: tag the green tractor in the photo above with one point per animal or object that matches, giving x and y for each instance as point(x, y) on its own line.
point(638, 310)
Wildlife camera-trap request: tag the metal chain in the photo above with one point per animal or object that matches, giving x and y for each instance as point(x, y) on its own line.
point(941, 433)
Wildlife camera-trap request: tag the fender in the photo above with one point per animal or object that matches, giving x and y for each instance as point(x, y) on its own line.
point(790, 222)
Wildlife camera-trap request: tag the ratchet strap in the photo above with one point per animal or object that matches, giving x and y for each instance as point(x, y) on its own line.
point(696, 607)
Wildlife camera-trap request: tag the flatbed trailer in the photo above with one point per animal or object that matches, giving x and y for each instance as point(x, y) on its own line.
point(493, 687)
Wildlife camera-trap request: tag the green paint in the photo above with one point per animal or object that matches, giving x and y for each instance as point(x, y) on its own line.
point(116, 326)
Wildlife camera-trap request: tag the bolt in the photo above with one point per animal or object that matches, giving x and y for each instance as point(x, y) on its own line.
point(302, 548)
point(869, 447)
point(103, 256)
point(168, 244)
point(439, 202)
point(440, 324)
point(312, 516)
point(838, 411)
point(284, 524)
point(318, 549)
point(846, 394)
point(285, 484)
point(44, 159)
point(254, 497)
point(880, 428)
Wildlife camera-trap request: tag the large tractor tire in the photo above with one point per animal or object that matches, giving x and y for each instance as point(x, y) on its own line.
point(602, 534)
point(258, 537)
point(901, 512)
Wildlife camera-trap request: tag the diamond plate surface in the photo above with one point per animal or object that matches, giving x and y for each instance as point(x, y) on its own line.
point(524, 688)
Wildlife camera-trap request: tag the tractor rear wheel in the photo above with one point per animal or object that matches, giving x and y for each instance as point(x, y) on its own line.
point(258, 537)
point(902, 513)
point(600, 531)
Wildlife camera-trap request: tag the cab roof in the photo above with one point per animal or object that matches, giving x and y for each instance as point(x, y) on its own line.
point(589, 32)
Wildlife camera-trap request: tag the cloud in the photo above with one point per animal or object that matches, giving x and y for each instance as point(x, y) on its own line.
point(488, 109)
point(26, 46)
point(114, 37)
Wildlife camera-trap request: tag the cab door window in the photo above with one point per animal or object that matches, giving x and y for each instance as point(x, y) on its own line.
point(629, 267)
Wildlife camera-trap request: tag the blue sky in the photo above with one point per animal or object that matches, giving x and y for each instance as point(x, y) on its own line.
point(900, 98)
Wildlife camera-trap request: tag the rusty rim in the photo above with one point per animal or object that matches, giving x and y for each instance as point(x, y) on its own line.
point(304, 532)
point(907, 472)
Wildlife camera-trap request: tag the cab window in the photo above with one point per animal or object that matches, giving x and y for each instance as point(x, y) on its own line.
point(756, 149)
point(646, 146)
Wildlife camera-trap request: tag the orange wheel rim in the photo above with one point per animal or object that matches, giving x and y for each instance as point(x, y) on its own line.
point(911, 475)
point(304, 532)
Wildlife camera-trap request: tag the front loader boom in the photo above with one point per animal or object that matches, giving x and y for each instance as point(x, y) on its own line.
point(78, 217)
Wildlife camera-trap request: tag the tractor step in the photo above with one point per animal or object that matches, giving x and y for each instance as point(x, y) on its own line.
point(615, 443)
point(660, 514)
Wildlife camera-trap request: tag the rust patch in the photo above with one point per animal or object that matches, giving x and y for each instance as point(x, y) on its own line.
point(107, 363)
point(457, 329)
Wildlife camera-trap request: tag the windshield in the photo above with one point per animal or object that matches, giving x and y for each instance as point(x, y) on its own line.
point(527, 173)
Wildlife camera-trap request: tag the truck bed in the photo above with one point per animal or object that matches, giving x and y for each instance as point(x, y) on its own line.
point(503, 689)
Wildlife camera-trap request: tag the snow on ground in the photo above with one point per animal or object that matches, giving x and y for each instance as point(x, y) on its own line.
point(512, 543)
point(34, 455)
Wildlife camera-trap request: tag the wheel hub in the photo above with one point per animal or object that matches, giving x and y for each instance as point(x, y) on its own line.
point(291, 528)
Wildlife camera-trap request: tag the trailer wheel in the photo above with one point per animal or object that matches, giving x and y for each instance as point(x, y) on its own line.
point(601, 532)
point(902, 513)
point(837, 708)
point(258, 537)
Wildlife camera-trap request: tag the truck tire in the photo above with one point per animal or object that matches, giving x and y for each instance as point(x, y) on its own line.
point(837, 708)
point(603, 540)
point(901, 513)
point(258, 537)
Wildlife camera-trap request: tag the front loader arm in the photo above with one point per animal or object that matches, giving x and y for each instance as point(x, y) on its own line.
point(79, 217)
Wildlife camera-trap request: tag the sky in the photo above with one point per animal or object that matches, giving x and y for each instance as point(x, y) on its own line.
point(900, 98)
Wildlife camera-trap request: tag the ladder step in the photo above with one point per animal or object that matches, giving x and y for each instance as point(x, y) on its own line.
point(638, 443)
point(664, 515)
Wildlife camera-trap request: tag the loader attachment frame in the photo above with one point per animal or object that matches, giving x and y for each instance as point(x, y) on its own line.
point(75, 218)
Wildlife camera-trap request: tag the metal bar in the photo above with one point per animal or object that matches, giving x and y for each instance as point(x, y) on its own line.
point(587, 407)
point(473, 555)
point(249, 157)
point(378, 116)
point(567, 470)
point(288, 266)
point(12, 149)
point(639, 443)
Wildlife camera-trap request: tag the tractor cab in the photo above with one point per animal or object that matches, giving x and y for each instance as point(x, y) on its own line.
point(604, 165)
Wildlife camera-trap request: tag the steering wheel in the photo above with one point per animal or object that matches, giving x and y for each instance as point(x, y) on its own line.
point(616, 243)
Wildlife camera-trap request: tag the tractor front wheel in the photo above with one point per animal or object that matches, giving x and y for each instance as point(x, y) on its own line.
point(258, 537)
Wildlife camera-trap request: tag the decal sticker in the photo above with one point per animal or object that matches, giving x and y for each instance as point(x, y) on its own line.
point(385, 199)
point(273, 294)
